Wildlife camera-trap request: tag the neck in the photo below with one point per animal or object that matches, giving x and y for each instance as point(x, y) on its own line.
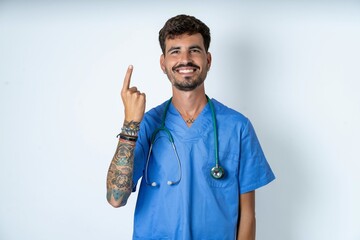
point(189, 104)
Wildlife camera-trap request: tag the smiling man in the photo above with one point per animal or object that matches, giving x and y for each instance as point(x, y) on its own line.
point(186, 75)
point(199, 161)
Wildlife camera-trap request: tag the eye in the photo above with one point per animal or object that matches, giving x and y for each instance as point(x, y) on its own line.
point(195, 50)
point(174, 52)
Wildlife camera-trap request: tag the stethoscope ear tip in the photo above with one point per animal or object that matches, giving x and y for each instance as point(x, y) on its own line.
point(153, 184)
point(170, 183)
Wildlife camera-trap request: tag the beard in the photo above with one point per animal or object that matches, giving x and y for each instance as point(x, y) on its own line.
point(188, 83)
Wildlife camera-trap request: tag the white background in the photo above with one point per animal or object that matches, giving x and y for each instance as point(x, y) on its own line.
point(292, 68)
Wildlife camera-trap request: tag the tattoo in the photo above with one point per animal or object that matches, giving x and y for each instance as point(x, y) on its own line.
point(123, 154)
point(122, 179)
point(130, 128)
point(118, 194)
point(119, 178)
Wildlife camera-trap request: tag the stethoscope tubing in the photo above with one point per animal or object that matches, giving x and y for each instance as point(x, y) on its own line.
point(216, 172)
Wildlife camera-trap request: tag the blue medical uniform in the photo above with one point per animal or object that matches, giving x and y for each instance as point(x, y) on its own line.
point(199, 206)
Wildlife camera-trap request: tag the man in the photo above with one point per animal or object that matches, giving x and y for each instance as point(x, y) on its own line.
point(200, 161)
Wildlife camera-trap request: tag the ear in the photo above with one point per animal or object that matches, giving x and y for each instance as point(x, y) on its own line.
point(162, 63)
point(208, 57)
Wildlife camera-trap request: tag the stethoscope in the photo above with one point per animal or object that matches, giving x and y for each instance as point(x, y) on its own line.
point(216, 172)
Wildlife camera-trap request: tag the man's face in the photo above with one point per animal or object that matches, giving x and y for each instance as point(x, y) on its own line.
point(185, 61)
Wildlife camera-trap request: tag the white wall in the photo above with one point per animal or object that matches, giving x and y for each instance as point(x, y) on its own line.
point(291, 68)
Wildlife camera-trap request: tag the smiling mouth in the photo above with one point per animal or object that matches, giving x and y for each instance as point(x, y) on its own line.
point(185, 70)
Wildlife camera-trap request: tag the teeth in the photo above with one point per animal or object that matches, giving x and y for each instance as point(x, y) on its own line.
point(186, 70)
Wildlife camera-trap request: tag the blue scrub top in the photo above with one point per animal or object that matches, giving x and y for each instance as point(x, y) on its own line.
point(199, 207)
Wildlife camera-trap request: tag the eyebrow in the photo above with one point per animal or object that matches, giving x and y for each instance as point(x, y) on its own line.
point(172, 49)
point(196, 46)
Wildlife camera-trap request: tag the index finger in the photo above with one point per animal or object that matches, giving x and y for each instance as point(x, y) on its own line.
point(127, 78)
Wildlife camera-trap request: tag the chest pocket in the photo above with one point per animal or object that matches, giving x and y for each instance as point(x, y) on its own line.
point(229, 162)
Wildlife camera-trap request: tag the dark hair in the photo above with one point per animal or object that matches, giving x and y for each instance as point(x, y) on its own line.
point(181, 24)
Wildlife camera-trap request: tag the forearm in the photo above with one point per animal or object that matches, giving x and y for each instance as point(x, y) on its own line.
point(247, 228)
point(120, 173)
point(247, 221)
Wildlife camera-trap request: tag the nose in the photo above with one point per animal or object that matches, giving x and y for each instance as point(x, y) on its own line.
point(185, 57)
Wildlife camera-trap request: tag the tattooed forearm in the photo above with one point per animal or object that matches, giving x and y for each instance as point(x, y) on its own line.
point(119, 179)
point(123, 154)
point(117, 194)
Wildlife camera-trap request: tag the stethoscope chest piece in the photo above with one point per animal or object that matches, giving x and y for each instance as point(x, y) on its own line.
point(217, 172)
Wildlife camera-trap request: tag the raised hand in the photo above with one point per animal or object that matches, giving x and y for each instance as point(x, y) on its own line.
point(133, 100)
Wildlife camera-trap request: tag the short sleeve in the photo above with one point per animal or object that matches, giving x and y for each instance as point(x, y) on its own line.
point(254, 170)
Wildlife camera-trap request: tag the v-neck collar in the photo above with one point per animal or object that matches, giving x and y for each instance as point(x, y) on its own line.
point(176, 123)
